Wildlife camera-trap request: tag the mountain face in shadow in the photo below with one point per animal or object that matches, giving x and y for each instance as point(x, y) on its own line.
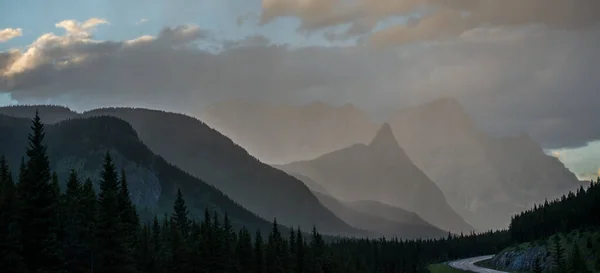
point(381, 171)
point(403, 225)
point(81, 144)
point(280, 134)
point(206, 154)
point(485, 179)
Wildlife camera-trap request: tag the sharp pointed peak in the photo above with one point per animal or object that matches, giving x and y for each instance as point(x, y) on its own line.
point(384, 137)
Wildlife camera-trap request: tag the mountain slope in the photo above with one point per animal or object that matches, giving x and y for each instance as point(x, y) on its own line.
point(205, 153)
point(485, 179)
point(381, 171)
point(279, 134)
point(410, 228)
point(81, 144)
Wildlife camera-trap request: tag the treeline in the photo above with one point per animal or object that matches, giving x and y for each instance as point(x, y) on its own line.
point(573, 211)
point(78, 230)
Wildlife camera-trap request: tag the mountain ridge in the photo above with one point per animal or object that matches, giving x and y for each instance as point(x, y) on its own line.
point(382, 173)
point(212, 157)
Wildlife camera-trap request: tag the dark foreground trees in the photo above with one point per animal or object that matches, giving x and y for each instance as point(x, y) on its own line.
point(42, 230)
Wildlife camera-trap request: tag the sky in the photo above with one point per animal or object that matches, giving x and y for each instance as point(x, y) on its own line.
point(516, 65)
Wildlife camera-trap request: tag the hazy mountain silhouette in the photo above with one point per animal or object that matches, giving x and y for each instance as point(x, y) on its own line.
point(405, 225)
point(81, 144)
point(206, 154)
point(280, 134)
point(381, 171)
point(485, 179)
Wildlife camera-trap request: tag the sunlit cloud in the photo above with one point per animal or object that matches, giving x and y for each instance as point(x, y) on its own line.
point(10, 33)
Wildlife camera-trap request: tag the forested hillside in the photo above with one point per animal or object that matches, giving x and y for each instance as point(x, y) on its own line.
point(78, 230)
point(574, 211)
point(81, 144)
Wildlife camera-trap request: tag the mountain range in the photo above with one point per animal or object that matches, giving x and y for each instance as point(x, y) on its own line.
point(485, 179)
point(194, 148)
point(81, 144)
point(381, 171)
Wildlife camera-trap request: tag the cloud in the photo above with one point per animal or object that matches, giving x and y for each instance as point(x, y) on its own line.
point(537, 79)
point(81, 30)
point(440, 19)
point(141, 21)
point(9, 34)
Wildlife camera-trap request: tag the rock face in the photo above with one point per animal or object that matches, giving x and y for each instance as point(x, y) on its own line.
point(279, 134)
point(522, 260)
point(485, 179)
point(381, 171)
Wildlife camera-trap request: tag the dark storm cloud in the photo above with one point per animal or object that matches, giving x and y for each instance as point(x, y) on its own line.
point(450, 18)
point(511, 79)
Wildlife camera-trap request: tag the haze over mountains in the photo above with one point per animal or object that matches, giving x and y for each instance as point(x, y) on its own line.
point(81, 144)
point(281, 134)
point(429, 159)
point(206, 154)
point(381, 171)
point(484, 179)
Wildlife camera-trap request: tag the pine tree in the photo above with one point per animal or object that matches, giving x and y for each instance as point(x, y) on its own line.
point(11, 260)
point(244, 251)
point(128, 214)
point(259, 259)
point(576, 263)
point(537, 268)
point(181, 215)
point(39, 208)
point(300, 252)
point(317, 250)
point(113, 256)
point(89, 211)
point(228, 239)
point(558, 256)
point(179, 253)
point(144, 251)
point(73, 225)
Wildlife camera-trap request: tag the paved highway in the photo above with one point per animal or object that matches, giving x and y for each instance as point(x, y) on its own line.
point(468, 265)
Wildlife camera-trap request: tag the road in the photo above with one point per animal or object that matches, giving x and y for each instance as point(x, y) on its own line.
point(468, 265)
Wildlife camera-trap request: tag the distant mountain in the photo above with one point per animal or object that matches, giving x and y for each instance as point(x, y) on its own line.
point(485, 179)
point(48, 113)
point(404, 225)
point(279, 134)
point(206, 154)
point(381, 171)
point(81, 144)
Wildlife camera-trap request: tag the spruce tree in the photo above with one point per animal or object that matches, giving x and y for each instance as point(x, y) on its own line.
point(558, 256)
point(157, 245)
point(128, 214)
point(259, 259)
point(228, 239)
point(144, 251)
point(73, 225)
point(39, 207)
point(300, 252)
point(180, 211)
point(88, 209)
point(244, 251)
point(537, 268)
point(576, 263)
point(113, 256)
point(179, 253)
point(11, 260)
